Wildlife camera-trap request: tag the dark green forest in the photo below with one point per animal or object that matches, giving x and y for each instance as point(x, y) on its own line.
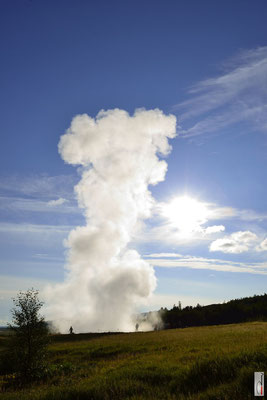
point(235, 311)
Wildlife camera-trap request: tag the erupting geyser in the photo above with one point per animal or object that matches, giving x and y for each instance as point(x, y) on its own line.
point(105, 280)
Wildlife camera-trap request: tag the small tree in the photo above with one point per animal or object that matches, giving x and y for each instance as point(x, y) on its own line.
point(29, 341)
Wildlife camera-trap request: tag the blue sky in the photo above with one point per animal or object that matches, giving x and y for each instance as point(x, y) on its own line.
point(204, 62)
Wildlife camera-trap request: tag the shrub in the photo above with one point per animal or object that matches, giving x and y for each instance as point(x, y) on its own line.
point(27, 345)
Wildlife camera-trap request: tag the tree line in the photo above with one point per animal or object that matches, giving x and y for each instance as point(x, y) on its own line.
point(235, 311)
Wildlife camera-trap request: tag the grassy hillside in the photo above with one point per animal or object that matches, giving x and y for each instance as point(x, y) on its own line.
point(215, 362)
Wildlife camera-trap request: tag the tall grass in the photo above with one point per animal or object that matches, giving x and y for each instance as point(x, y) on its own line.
point(194, 363)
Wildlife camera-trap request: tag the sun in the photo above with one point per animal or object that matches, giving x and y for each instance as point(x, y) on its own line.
point(186, 214)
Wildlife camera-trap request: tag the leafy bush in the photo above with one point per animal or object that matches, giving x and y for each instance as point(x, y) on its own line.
point(26, 349)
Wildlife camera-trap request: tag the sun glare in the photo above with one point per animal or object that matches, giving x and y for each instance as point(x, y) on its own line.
point(186, 214)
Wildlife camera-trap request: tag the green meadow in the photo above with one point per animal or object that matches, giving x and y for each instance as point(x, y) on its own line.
point(213, 362)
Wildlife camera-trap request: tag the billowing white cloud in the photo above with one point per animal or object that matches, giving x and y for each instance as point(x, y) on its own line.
point(237, 242)
point(262, 246)
point(119, 156)
point(240, 94)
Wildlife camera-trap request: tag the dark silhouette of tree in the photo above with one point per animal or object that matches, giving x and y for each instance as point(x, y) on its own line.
point(234, 311)
point(27, 347)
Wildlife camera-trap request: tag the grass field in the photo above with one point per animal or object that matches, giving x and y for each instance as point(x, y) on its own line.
point(215, 362)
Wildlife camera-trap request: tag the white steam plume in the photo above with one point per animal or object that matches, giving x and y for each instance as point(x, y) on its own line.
point(105, 280)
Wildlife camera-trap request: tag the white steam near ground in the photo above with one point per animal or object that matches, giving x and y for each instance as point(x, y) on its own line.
point(106, 281)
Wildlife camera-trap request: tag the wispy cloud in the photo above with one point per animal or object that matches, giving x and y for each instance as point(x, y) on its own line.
point(237, 95)
point(47, 257)
point(57, 202)
point(37, 194)
point(35, 238)
point(207, 263)
point(164, 255)
point(220, 213)
point(34, 228)
point(8, 203)
point(43, 187)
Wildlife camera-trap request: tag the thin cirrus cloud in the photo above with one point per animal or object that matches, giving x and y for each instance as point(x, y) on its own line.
point(188, 261)
point(37, 194)
point(163, 255)
point(238, 95)
point(24, 228)
point(38, 186)
point(32, 236)
point(237, 242)
point(57, 202)
point(37, 205)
